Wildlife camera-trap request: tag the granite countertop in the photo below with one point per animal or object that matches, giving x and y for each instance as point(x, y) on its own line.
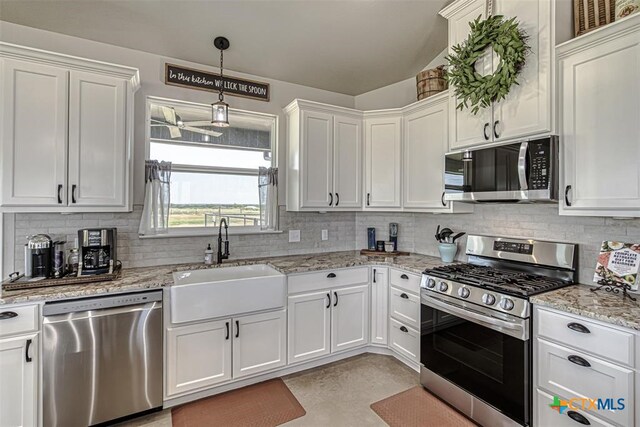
point(601, 305)
point(133, 279)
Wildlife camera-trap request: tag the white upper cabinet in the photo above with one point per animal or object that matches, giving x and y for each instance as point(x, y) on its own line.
point(424, 147)
point(97, 140)
point(528, 109)
point(324, 157)
point(66, 134)
point(383, 162)
point(34, 134)
point(599, 98)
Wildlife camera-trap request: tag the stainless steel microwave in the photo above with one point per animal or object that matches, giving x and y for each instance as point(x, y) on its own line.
point(518, 172)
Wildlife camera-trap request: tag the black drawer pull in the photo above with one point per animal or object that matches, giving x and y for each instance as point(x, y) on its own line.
point(403, 295)
point(405, 277)
point(403, 329)
point(566, 195)
point(26, 351)
point(237, 329)
point(331, 275)
point(328, 300)
point(73, 193)
point(579, 418)
point(227, 325)
point(59, 193)
point(374, 275)
point(578, 328)
point(579, 361)
point(337, 199)
point(8, 315)
point(335, 294)
point(331, 202)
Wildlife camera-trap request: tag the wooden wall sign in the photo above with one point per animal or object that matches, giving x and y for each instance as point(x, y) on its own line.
point(176, 75)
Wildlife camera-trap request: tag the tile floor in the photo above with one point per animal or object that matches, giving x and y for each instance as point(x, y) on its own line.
point(338, 394)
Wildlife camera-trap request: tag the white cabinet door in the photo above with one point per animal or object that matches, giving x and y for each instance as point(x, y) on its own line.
point(317, 167)
point(527, 108)
point(600, 126)
point(259, 343)
point(383, 162)
point(198, 356)
point(350, 318)
point(465, 128)
point(98, 148)
point(425, 144)
point(34, 134)
point(404, 340)
point(379, 305)
point(347, 162)
point(309, 326)
point(19, 381)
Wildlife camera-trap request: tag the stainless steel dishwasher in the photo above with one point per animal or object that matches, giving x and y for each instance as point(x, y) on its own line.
point(102, 358)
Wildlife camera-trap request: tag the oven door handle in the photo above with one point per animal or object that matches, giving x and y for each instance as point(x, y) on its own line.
point(522, 166)
point(516, 330)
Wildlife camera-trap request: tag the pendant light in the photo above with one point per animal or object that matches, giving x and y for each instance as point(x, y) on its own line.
point(220, 109)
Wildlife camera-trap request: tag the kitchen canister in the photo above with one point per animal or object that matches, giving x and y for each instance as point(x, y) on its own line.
point(447, 251)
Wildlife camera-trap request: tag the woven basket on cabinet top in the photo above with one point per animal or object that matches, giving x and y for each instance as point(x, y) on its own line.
point(591, 14)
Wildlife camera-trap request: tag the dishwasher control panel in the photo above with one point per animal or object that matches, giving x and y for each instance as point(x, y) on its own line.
point(100, 303)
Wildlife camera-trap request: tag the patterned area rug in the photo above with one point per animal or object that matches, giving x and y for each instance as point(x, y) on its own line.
point(266, 404)
point(417, 407)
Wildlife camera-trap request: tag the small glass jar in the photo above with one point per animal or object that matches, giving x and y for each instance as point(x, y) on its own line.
point(72, 262)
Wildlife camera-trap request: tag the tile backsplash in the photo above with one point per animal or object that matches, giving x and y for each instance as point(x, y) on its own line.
point(347, 231)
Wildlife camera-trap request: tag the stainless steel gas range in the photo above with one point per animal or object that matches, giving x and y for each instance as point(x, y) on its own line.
point(476, 328)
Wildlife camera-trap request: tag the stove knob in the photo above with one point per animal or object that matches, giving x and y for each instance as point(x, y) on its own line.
point(506, 304)
point(488, 299)
point(442, 287)
point(464, 292)
point(431, 283)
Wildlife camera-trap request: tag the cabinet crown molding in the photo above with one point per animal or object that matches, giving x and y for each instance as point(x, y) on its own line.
point(455, 7)
point(24, 53)
point(602, 35)
point(298, 104)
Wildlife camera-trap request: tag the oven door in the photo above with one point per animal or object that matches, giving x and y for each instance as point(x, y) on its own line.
point(488, 357)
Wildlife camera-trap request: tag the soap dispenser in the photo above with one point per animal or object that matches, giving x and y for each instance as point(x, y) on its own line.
point(208, 255)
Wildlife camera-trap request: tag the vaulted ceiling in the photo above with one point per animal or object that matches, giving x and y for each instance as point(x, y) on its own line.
point(346, 46)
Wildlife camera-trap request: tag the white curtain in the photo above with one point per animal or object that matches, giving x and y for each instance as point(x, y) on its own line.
point(157, 198)
point(268, 191)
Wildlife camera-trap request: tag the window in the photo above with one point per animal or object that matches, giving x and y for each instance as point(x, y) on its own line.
point(214, 170)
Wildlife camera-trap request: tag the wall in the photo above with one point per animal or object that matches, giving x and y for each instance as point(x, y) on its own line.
point(395, 95)
point(416, 231)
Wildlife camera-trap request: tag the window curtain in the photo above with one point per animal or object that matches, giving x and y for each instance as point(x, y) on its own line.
point(268, 192)
point(157, 198)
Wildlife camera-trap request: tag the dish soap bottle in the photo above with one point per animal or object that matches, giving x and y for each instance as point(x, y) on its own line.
point(208, 255)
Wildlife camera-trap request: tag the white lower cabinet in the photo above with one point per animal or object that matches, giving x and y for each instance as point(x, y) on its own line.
point(404, 340)
point(328, 321)
point(379, 305)
point(405, 307)
point(205, 354)
point(198, 356)
point(547, 417)
point(19, 381)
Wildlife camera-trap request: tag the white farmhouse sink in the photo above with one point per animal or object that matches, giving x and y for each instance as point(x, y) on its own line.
point(225, 291)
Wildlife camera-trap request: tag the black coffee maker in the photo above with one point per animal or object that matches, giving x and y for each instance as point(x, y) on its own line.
point(97, 250)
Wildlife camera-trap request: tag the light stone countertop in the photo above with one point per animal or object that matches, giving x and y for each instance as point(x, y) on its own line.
point(135, 279)
point(601, 305)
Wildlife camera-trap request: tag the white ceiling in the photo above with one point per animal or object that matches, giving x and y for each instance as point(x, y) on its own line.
point(346, 46)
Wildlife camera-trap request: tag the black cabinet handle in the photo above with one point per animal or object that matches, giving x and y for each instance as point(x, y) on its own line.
point(60, 193)
point(237, 329)
point(442, 199)
point(578, 328)
point(579, 361)
point(579, 418)
point(404, 276)
point(374, 275)
point(331, 202)
point(8, 315)
point(331, 275)
point(73, 193)
point(484, 131)
point(368, 199)
point(26, 351)
point(335, 294)
point(227, 325)
point(403, 295)
point(495, 128)
point(403, 329)
point(566, 195)
point(337, 199)
point(328, 300)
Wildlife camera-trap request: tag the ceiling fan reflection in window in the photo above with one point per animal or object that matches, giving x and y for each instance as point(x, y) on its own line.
point(174, 123)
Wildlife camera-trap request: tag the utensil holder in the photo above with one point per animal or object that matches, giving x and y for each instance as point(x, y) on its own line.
point(447, 251)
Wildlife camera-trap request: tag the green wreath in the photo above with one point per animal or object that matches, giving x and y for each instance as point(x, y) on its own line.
point(508, 40)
